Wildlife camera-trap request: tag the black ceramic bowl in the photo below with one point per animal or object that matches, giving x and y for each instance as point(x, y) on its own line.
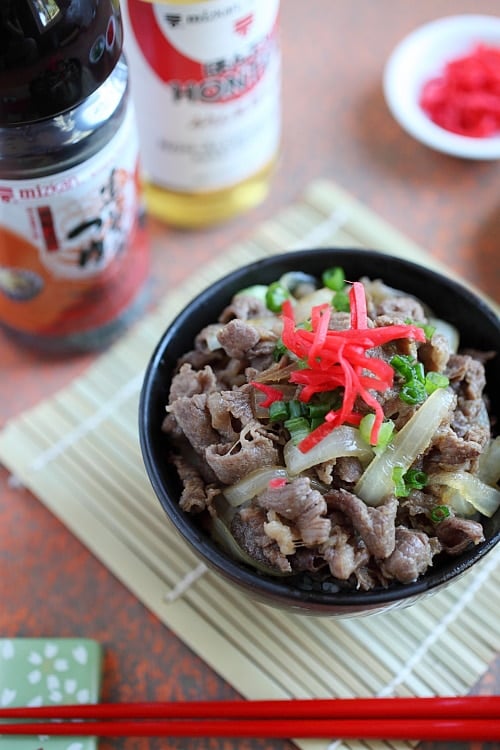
point(479, 327)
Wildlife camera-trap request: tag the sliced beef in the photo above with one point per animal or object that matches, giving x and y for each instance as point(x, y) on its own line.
point(457, 534)
point(230, 410)
point(411, 557)
point(375, 526)
point(449, 451)
point(344, 553)
point(194, 498)
point(466, 375)
point(339, 321)
point(297, 502)
point(253, 450)
point(244, 306)
point(434, 354)
point(247, 528)
point(193, 418)
point(281, 533)
point(399, 309)
point(348, 469)
point(237, 337)
point(189, 381)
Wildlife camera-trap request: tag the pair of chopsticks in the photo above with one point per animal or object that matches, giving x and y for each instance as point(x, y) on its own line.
point(465, 718)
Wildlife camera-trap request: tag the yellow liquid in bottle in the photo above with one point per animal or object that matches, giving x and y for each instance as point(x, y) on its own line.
point(196, 210)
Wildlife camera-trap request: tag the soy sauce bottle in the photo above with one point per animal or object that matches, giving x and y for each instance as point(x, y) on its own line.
point(73, 251)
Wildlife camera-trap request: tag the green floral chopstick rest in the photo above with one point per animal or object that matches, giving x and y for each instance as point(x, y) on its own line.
point(49, 672)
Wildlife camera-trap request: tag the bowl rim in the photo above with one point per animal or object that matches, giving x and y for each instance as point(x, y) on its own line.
point(214, 556)
point(442, 39)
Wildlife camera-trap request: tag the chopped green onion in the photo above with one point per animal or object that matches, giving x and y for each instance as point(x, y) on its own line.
point(278, 411)
point(413, 393)
point(403, 365)
point(439, 513)
point(399, 483)
point(276, 294)
point(341, 302)
point(317, 411)
point(279, 350)
point(298, 427)
point(334, 278)
point(296, 408)
point(384, 433)
point(427, 328)
point(405, 482)
point(415, 479)
point(434, 380)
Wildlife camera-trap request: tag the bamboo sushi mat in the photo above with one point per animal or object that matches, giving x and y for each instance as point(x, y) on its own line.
point(78, 452)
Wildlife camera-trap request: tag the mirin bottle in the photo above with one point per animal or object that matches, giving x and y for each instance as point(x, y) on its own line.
point(205, 80)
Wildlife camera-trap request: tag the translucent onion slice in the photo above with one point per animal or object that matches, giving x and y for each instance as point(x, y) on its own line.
point(252, 484)
point(302, 308)
point(342, 441)
point(376, 482)
point(489, 463)
point(484, 498)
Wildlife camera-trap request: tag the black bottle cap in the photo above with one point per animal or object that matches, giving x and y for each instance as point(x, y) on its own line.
point(54, 54)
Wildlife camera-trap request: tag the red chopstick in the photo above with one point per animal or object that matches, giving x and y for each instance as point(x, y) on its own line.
point(445, 718)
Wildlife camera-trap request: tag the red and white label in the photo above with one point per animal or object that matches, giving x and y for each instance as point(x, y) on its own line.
point(65, 241)
point(206, 85)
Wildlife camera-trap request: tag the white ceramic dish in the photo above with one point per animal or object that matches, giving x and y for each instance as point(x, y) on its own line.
point(421, 56)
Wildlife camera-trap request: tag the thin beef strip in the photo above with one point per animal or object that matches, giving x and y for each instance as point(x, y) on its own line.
point(375, 526)
point(196, 495)
point(188, 381)
point(344, 552)
point(435, 354)
point(230, 410)
point(193, 418)
point(244, 306)
point(298, 503)
point(457, 534)
point(411, 557)
point(237, 337)
point(247, 527)
point(253, 450)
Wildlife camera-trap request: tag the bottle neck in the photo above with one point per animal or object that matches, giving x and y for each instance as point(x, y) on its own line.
point(61, 142)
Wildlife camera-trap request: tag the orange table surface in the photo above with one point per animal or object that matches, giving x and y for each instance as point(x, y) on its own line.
point(335, 125)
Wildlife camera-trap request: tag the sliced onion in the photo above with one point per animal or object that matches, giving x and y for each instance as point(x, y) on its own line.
point(376, 482)
point(343, 441)
point(210, 336)
point(484, 498)
point(252, 484)
point(257, 290)
point(489, 463)
point(303, 306)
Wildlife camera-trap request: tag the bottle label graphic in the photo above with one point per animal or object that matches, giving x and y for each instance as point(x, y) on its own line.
point(206, 86)
point(67, 262)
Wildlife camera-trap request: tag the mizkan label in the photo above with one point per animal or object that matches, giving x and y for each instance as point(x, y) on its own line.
point(68, 262)
point(205, 79)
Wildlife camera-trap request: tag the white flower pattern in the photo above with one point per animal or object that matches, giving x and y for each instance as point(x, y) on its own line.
point(55, 672)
